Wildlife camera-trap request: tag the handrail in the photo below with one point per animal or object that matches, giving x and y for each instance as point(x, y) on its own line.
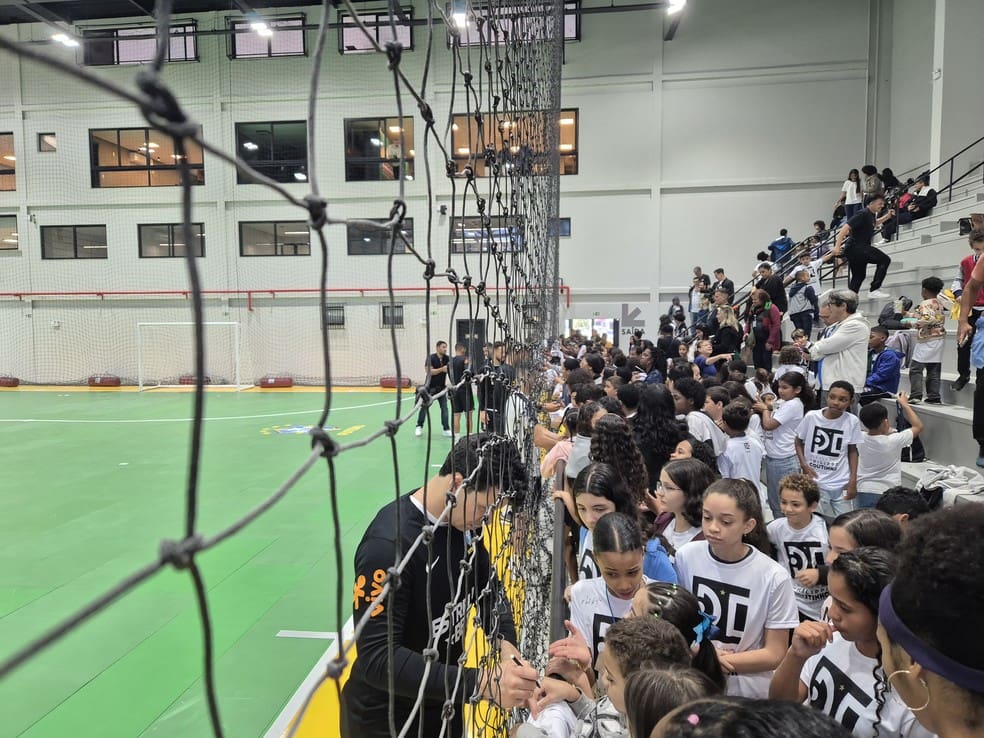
point(259, 292)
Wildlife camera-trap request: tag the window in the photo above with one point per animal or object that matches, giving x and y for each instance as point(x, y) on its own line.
point(139, 157)
point(275, 37)
point(391, 316)
point(73, 242)
point(47, 142)
point(334, 316)
point(162, 240)
point(8, 233)
point(106, 46)
point(351, 39)
point(363, 241)
point(372, 149)
point(510, 137)
point(526, 22)
point(274, 238)
point(469, 235)
point(277, 150)
point(560, 227)
point(8, 168)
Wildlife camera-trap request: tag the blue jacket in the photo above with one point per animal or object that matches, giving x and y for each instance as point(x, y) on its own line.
point(886, 368)
point(780, 246)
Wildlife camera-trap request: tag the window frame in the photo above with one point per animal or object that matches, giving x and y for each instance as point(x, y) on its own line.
point(382, 124)
point(172, 228)
point(460, 120)
point(378, 19)
point(96, 169)
point(42, 142)
point(474, 223)
point(571, 8)
point(266, 165)
point(338, 310)
point(187, 30)
point(242, 26)
point(398, 248)
point(398, 312)
point(9, 163)
point(276, 246)
point(14, 232)
point(75, 242)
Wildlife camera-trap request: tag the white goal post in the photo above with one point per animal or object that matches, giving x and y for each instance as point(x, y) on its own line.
point(144, 346)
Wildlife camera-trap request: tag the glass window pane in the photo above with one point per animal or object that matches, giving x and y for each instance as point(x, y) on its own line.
point(293, 238)
point(136, 146)
point(90, 242)
point(57, 242)
point(353, 39)
point(8, 163)
point(47, 142)
point(99, 47)
point(9, 238)
point(256, 239)
point(286, 42)
point(246, 43)
point(154, 240)
point(105, 152)
point(135, 45)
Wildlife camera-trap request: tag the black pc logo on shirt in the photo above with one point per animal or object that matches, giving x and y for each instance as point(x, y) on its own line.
point(827, 441)
point(803, 555)
point(727, 604)
point(833, 692)
point(600, 626)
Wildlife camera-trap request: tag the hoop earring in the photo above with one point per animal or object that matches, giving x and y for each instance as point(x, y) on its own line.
point(922, 681)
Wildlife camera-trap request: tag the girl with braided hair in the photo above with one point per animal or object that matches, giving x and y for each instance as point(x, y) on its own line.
point(836, 666)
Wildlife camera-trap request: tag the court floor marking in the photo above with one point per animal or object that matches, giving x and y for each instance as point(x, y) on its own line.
point(188, 420)
point(281, 725)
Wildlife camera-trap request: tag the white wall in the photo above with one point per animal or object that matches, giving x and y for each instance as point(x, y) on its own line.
point(910, 84)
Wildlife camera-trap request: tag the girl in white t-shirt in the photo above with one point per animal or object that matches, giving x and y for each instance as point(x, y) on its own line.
point(598, 490)
point(681, 493)
point(850, 195)
point(780, 422)
point(748, 594)
point(597, 603)
point(836, 666)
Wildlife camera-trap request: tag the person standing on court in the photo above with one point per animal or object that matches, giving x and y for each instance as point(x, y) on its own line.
point(859, 252)
point(462, 400)
point(494, 390)
point(437, 376)
point(428, 609)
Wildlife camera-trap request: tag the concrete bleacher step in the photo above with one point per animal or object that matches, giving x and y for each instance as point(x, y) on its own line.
point(947, 434)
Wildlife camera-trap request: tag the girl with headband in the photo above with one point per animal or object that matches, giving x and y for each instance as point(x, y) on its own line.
point(932, 656)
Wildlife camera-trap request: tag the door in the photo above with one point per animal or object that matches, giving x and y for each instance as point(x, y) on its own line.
point(472, 334)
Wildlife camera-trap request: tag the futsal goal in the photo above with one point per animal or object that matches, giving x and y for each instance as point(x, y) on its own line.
point(166, 357)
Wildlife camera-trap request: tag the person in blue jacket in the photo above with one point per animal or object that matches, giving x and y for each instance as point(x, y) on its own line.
point(885, 368)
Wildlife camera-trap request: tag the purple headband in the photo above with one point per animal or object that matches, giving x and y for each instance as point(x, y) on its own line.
point(925, 655)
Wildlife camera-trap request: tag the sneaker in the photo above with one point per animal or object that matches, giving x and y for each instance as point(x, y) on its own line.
point(880, 241)
point(448, 434)
point(915, 401)
point(878, 295)
point(418, 431)
point(960, 384)
point(934, 402)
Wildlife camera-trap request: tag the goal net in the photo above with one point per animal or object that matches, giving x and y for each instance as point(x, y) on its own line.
point(166, 355)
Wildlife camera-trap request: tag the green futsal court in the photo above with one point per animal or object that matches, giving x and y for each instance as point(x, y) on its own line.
point(93, 481)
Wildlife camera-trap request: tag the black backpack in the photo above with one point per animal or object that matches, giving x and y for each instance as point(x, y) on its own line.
point(915, 452)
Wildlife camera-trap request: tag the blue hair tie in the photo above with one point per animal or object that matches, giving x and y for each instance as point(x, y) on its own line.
point(702, 628)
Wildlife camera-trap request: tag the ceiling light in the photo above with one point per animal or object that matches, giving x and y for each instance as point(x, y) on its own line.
point(454, 126)
point(295, 233)
point(409, 177)
point(153, 145)
point(375, 142)
point(366, 239)
point(514, 149)
point(566, 121)
point(506, 124)
point(10, 240)
point(250, 146)
point(460, 19)
point(14, 235)
point(395, 129)
point(261, 28)
point(464, 150)
point(567, 147)
point(675, 6)
point(64, 39)
point(300, 176)
point(411, 153)
point(10, 158)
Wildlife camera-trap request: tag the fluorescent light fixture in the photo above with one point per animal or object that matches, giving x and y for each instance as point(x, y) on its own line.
point(411, 153)
point(261, 28)
point(10, 158)
point(454, 126)
point(64, 39)
point(375, 142)
point(566, 121)
point(409, 177)
point(460, 19)
point(514, 149)
point(567, 147)
point(14, 235)
point(300, 176)
point(675, 6)
point(506, 124)
point(395, 129)
point(295, 233)
point(10, 240)
point(464, 150)
point(250, 146)
point(366, 239)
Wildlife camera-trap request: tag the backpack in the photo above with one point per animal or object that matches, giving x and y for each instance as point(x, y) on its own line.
point(915, 452)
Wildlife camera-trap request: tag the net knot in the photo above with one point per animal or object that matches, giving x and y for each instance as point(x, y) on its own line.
point(480, 204)
point(398, 211)
point(161, 106)
point(329, 446)
point(392, 427)
point(450, 168)
point(430, 268)
point(426, 112)
point(424, 396)
point(179, 554)
point(450, 499)
point(317, 211)
point(335, 668)
point(393, 574)
point(466, 566)
point(480, 288)
point(427, 533)
point(452, 276)
point(447, 712)
point(394, 53)
point(430, 654)
point(466, 281)
point(467, 76)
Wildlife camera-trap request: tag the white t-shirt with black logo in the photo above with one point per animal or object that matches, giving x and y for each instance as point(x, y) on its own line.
point(797, 550)
point(781, 442)
point(880, 461)
point(840, 681)
point(825, 446)
point(594, 609)
point(587, 567)
point(703, 428)
point(745, 598)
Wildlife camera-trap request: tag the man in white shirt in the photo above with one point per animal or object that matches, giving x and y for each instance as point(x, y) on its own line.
point(844, 350)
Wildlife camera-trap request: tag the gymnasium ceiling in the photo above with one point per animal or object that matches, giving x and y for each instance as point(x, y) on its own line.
point(71, 11)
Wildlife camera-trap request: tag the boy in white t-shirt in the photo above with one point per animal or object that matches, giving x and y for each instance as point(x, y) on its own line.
point(692, 397)
point(827, 443)
point(801, 542)
point(880, 456)
point(742, 457)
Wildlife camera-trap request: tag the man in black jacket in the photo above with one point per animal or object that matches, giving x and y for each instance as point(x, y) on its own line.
point(772, 283)
point(922, 203)
point(495, 388)
point(430, 607)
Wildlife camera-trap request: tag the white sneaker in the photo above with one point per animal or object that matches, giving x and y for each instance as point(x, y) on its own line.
point(418, 431)
point(878, 295)
point(448, 434)
point(880, 241)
